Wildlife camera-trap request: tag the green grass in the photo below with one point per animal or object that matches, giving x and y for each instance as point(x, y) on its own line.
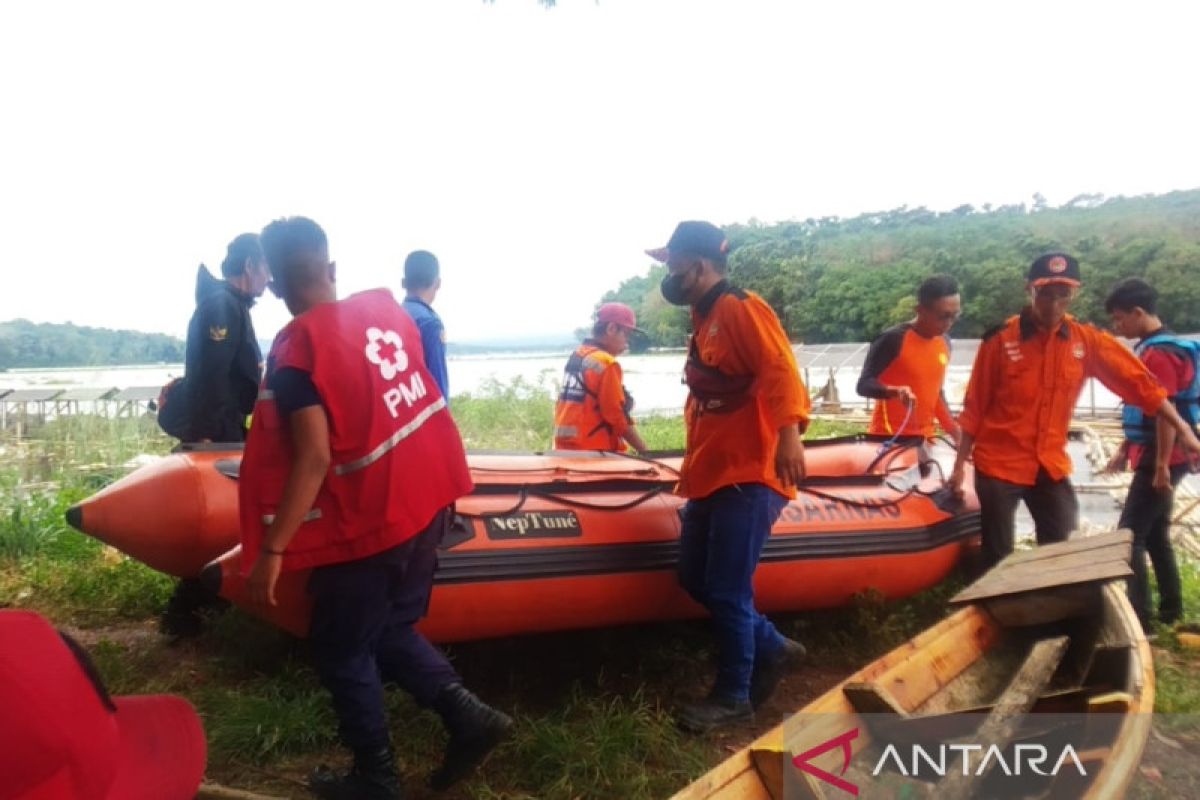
point(592, 707)
point(1178, 688)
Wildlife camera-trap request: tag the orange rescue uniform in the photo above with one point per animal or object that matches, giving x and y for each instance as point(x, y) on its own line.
point(902, 357)
point(737, 333)
point(1023, 390)
point(591, 413)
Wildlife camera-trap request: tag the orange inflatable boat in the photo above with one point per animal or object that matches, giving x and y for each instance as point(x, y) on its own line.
point(565, 540)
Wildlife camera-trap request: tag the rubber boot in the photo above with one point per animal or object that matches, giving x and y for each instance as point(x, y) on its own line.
point(475, 729)
point(373, 777)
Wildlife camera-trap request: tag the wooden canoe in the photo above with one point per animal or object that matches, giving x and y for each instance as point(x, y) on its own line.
point(975, 665)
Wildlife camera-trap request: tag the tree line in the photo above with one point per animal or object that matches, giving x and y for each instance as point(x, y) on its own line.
point(27, 344)
point(839, 280)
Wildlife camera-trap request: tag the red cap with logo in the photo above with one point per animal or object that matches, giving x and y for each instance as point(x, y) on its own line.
point(619, 313)
point(62, 736)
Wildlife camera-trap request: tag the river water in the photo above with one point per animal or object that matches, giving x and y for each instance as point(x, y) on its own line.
point(654, 379)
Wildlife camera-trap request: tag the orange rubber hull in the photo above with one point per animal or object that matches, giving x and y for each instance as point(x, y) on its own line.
point(564, 541)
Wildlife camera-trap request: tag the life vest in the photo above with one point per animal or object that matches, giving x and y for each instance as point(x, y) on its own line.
point(1139, 428)
point(397, 457)
point(715, 391)
point(578, 422)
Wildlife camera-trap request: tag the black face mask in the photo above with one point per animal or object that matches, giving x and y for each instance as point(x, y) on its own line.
point(672, 289)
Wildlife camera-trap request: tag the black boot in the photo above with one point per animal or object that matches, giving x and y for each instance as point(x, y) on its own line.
point(713, 713)
point(475, 728)
point(184, 614)
point(768, 672)
point(373, 777)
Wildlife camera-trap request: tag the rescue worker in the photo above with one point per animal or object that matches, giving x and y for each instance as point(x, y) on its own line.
point(347, 474)
point(1158, 467)
point(906, 366)
point(1017, 411)
point(221, 373)
point(593, 408)
point(422, 279)
point(746, 410)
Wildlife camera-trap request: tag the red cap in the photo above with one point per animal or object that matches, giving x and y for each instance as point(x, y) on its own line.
point(619, 313)
point(61, 736)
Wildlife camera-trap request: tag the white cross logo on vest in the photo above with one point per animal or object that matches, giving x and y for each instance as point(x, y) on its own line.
point(385, 349)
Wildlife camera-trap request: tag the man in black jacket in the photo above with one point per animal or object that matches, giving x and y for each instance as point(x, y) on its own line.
point(223, 364)
point(220, 384)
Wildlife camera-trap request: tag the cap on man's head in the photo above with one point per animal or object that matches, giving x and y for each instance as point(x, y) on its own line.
point(620, 314)
point(1054, 268)
point(694, 238)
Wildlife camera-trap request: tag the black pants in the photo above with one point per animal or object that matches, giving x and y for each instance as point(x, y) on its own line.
point(362, 634)
point(1051, 503)
point(1148, 514)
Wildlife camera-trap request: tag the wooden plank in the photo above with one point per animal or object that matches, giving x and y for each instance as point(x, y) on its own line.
point(1045, 579)
point(871, 698)
point(1044, 606)
point(770, 766)
point(1118, 550)
point(1077, 544)
point(1001, 724)
point(1111, 703)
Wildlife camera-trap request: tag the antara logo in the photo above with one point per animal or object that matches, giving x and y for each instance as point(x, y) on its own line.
point(803, 761)
point(940, 760)
point(1031, 756)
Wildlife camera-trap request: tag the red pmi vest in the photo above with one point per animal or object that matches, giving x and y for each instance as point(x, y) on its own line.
point(397, 454)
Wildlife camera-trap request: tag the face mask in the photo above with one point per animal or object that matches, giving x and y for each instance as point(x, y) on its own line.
point(672, 289)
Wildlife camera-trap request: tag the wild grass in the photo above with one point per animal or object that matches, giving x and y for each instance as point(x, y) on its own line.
point(592, 707)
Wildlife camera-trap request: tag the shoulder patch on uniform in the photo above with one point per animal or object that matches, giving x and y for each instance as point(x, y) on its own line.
point(217, 333)
point(992, 331)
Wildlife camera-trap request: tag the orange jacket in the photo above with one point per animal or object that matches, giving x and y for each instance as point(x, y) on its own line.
point(737, 333)
point(1023, 390)
point(591, 413)
point(902, 357)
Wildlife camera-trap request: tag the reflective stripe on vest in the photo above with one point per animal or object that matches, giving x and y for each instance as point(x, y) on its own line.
point(396, 438)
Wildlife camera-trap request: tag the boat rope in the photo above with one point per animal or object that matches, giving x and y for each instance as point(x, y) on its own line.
point(873, 503)
point(526, 492)
point(892, 441)
point(652, 462)
point(574, 470)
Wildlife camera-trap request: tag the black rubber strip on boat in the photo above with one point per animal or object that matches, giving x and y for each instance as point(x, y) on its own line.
point(512, 564)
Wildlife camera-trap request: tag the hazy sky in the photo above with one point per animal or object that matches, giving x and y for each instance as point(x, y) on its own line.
point(536, 151)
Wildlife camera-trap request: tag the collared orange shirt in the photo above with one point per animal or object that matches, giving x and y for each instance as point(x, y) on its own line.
point(1024, 387)
point(737, 333)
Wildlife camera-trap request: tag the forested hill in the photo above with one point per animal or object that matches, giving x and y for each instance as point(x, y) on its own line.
point(836, 279)
point(26, 344)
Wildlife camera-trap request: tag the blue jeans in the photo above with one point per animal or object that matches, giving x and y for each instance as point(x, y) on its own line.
point(719, 547)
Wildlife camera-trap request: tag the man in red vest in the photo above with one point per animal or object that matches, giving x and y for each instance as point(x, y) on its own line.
point(350, 468)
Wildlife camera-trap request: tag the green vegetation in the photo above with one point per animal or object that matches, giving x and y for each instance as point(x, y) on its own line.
point(836, 280)
point(26, 344)
point(592, 707)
